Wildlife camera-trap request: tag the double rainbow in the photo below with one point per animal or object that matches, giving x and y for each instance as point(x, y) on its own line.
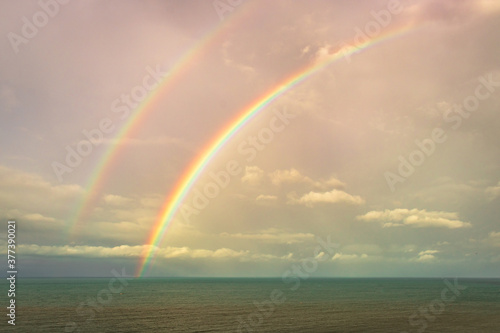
point(191, 175)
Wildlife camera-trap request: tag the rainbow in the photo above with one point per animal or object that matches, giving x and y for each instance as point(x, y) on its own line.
point(191, 175)
point(103, 166)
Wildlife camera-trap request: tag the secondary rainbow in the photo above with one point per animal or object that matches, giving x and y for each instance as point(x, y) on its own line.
point(193, 172)
point(105, 162)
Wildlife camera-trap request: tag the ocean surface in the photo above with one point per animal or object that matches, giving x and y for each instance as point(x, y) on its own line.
point(256, 305)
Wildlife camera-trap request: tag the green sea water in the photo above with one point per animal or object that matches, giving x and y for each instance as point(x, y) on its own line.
point(256, 305)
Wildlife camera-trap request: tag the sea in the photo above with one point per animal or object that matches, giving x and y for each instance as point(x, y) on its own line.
point(255, 305)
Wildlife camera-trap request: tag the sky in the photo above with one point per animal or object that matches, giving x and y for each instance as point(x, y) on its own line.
point(387, 151)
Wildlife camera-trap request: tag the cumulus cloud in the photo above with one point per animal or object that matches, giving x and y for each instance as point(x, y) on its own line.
point(126, 251)
point(253, 175)
point(273, 235)
point(38, 218)
point(421, 253)
point(426, 256)
point(116, 200)
point(334, 196)
point(293, 176)
point(348, 257)
point(17, 181)
point(30, 197)
point(279, 177)
point(414, 218)
point(266, 199)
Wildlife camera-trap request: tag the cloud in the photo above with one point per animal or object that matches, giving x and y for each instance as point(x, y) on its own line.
point(293, 176)
point(266, 199)
point(348, 257)
point(275, 236)
point(116, 200)
point(13, 179)
point(444, 190)
point(415, 218)
point(421, 253)
point(82, 251)
point(27, 194)
point(279, 177)
point(186, 252)
point(126, 251)
point(37, 218)
point(493, 192)
point(253, 175)
point(426, 256)
point(493, 239)
point(334, 196)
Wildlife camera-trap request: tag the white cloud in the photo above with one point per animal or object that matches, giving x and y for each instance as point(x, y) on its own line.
point(266, 199)
point(293, 176)
point(415, 218)
point(493, 191)
point(348, 257)
point(329, 183)
point(38, 218)
point(185, 252)
point(329, 52)
point(116, 200)
point(279, 177)
point(126, 251)
point(253, 175)
point(421, 253)
point(11, 179)
point(273, 235)
point(82, 250)
point(321, 256)
point(29, 196)
point(426, 258)
point(334, 196)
